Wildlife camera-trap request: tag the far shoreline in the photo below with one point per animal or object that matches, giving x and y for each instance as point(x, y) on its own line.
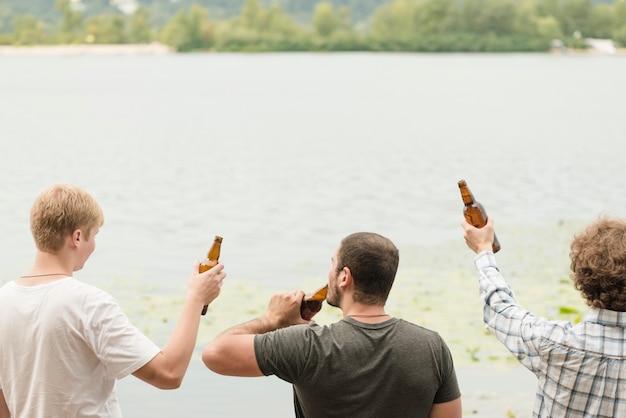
point(156, 48)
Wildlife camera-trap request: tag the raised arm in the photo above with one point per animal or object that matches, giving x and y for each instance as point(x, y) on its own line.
point(232, 352)
point(167, 369)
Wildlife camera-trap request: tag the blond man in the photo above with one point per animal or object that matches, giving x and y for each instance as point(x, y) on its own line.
point(64, 342)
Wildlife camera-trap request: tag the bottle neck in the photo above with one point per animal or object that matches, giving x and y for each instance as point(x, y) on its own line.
point(466, 195)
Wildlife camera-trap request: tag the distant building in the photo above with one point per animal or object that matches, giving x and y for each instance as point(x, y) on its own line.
point(604, 46)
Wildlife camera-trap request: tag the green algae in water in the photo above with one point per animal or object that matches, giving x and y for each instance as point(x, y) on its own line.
point(436, 287)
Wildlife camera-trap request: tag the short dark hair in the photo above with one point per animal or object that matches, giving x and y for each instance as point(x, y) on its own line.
point(598, 264)
point(373, 262)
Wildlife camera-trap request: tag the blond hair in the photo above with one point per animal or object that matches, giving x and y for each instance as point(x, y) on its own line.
point(60, 210)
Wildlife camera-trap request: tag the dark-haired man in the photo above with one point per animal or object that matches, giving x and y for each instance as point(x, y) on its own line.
point(368, 364)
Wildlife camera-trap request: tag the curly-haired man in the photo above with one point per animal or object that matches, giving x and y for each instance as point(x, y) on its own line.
point(581, 368)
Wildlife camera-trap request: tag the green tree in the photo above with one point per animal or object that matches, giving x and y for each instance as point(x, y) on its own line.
point(28, 30)
point(619, 8)
point(255, 20)
point(434, 16)
point(619, 36)
point(105, 29)
point(619, 23)
point(187, 31)
point(549, 28)
point(252, 15)
point(393, 20)
point(324, 19)
point(575, 15)
point(526, 18)
point(139, 27)
point(259, 29)
point(488, 16)
point(278, 21)
point(549, 8)
point(601, 21)
point(71, 30)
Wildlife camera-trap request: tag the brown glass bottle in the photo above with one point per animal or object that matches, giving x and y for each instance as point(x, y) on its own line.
point(474, 212)
point(211, 260)
point(312, 303)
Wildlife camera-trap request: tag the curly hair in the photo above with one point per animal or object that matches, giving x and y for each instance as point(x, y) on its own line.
point(598, 264)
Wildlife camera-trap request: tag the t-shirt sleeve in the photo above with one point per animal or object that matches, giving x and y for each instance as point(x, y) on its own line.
point(284, 352)
point(449, 388)
point(119, 345)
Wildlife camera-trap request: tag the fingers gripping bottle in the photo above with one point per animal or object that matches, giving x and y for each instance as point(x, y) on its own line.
point(211, 260)
point(474, 212)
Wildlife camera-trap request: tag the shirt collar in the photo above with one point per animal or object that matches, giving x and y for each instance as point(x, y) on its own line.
point(606, 317)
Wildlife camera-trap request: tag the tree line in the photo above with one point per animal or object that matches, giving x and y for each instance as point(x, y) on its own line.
point(400, 25)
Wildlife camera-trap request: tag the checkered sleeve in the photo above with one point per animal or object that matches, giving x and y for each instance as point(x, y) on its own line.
point(518, 329)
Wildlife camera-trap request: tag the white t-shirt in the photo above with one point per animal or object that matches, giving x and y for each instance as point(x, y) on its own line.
point(62, 345)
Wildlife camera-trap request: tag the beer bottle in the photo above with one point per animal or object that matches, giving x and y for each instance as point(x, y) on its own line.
point(474, 212)
point(211, 260)
point(312, 303)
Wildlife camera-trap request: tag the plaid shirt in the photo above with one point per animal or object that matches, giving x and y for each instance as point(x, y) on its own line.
point(581, 368)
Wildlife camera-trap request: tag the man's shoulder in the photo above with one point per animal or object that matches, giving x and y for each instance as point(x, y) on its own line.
point(417, 329)
point(69, 286)
point(77, 290)
point(6, 290)
point(7, 285)
point(395, 325)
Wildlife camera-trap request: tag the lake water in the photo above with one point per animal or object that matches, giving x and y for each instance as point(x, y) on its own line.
point(284, 154)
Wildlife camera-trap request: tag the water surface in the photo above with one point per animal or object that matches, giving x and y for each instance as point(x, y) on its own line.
point(284, 154)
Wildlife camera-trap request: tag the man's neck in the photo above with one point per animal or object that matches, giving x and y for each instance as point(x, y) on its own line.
point(47, 268)
point(366, 313)
point(37, 279)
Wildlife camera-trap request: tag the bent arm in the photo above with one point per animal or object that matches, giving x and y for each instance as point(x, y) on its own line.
point(450, 409)
point(167, 369)
point(514, 326)
point(232, 352)
point(4, 409)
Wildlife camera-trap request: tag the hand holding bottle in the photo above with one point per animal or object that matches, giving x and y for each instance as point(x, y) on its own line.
point(206, 286)
point(478, 239)
point(474, 212)
point(284, 309)
point(211, 260)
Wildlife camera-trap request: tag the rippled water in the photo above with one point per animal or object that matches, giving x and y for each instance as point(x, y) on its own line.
point(284, 154)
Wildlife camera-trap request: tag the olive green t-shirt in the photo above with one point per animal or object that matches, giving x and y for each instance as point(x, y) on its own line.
point(353, 369)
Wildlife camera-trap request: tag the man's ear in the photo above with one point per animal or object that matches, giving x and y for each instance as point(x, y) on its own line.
point(345, 278)
point(76, 236)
